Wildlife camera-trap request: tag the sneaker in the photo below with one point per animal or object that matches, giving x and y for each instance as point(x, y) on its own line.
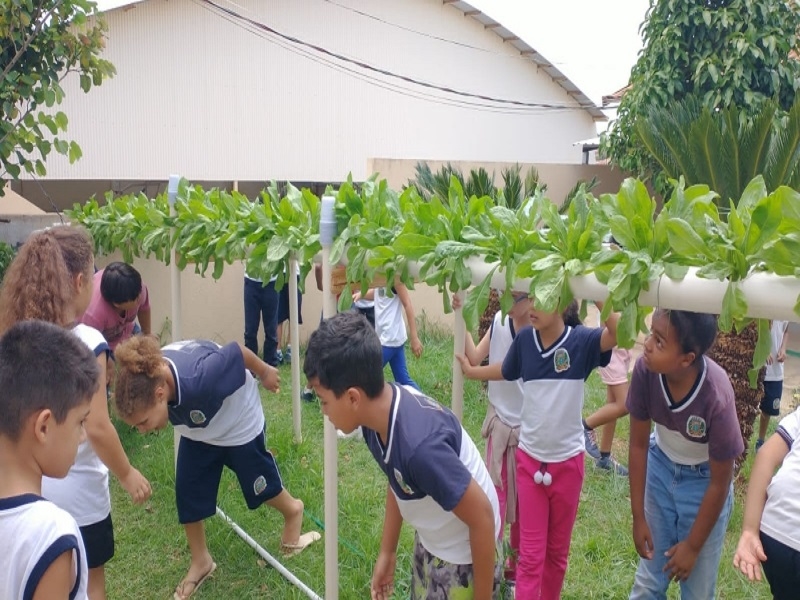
point(609, 464)
point(279, 356)
point(355, 434)
point(590, 441)
point(287, 356)
point(308, 395)
point(759, 443)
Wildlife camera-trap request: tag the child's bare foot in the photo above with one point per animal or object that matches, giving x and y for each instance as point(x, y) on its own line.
point(292, 523)
point(198, 573)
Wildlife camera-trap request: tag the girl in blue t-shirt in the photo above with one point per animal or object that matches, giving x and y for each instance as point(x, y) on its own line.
point(681, 475)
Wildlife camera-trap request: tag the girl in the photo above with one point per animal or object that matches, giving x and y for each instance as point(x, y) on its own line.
point(51, 279)
point(501, 425)
point(553, 357)
point(208, 393)
point(771, 524)
point(681, 476)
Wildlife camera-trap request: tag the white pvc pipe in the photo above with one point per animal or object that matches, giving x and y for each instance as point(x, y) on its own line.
point(294, 340)
point(459, 340)
point(330, 442)
point(175, 290)
point(273, 562)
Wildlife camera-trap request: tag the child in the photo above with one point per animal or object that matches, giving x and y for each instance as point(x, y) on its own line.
point(437, 481)
point(285, 356)
point(44, 400)
point(501, 425)
point(553, 357)
point(392, 330)
point(118, 299)
point(771, 523)
point(261, 304)
point(681, 508)
point(51, 279)
point(208, 393)
point(773, 378)
point(615, 376)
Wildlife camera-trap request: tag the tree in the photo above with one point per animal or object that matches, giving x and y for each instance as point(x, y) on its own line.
point(720, 52)
point(42, 43)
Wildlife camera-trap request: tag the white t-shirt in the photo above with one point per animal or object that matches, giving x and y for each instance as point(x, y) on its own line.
point(35, 533)
point(389, 319)
point(781, 518)
point(83, 493)
point(506, 396)
point(774, 372)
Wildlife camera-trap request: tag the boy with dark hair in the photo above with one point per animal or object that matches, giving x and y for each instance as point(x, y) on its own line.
point(437, 480)
point(44, 400)
point(118, 298)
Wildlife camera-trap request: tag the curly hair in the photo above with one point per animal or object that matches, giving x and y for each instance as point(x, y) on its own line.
point(40, 282)
point(139, 361)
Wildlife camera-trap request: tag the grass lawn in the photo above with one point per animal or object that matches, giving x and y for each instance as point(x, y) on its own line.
point(152, 555)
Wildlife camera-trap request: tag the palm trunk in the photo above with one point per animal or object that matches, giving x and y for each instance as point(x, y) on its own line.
point(488, 315)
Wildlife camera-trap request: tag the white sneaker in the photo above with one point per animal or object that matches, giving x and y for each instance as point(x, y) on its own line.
point(355, 434)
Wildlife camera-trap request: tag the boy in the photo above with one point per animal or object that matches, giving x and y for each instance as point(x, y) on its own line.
point(437, 480)
point(44, 400)
point(773, 378)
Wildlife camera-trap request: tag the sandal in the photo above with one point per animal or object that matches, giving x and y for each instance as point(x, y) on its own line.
point(303, 542)
point(180, 591)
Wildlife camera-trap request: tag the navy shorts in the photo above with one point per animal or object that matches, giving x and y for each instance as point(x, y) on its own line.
point(283, 305)
point(771, 402)
point(199, 471)
point(98, 539)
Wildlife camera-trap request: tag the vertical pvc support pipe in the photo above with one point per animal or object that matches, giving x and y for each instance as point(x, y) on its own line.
point(459, 340)
point(175, 289)
point(294, 340)
point(327, 231)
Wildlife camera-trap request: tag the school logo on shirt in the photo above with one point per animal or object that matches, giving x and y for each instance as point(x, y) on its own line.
point(696, 426)
point(776, 404)
point(403, 485)
point(259, 485)
point(197, 417)
point(561, 360)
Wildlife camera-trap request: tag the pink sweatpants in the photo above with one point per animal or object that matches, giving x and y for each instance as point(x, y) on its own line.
point(546, 519)
point(502, 496)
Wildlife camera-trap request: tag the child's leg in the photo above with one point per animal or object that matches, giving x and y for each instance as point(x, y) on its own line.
point(763, 424)
point(688, 494)
point(96, 586)
point(770, 407)
point(202, 562)
point(98, 540)
point(533, 522)
point(292, 510)
point(782, 568)
point(650, 581)
point(397, 362)
point(565, 494)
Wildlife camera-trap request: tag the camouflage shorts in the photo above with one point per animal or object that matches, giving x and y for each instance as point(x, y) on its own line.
point(435, 579)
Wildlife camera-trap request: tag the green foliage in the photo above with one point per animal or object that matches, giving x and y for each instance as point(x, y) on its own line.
point(7, 254)
point(721, 54)
point(42, 42)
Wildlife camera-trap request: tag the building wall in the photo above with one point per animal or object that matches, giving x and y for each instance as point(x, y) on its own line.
point(201, 95)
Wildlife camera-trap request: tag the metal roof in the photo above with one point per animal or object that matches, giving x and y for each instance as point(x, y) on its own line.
point(510, 37)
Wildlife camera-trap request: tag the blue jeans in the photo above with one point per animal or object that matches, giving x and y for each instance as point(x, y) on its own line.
point(672, 497)
point(396, 357)
point(261, 304)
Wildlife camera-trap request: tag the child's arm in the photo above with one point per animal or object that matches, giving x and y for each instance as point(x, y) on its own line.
point(476, 512)
point(58, 580)
point(784, 344)
point(105, 442)
point(144, 320)
point(405, 299)
point(749, 552)
point(608, 339)
point(682, 556)
point(639, 444)
point(474, 353)
point(382, 585)
point(370, 295)
point(492, 372)
point(268, 374)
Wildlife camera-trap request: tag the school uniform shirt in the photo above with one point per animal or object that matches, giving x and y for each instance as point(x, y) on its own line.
point(781, 517)
point(694, 429)
point(774, 372)
point(35, 532)
point(430, 460)
point(216, 397)
point(389, 322)
point(505, 396)
point(107, 320)
point(553, 380)
point(83, 493)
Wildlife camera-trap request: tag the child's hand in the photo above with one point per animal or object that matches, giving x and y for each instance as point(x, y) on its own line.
point(466, 367)
point(681, 561)
point(382, 584)
point(416, 347)
point(270, 378)
point(137, 486)
point(643, 539)
point(456, 303)
point(356, 296)
point(781, 355)
point(749, 555)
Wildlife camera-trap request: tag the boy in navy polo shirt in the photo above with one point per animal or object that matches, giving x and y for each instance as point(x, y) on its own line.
point(437, 480)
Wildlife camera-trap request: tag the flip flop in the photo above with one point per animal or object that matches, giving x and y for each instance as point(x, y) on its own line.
point(195, 584)
point(303, 542)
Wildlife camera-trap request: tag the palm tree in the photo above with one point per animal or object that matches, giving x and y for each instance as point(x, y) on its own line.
point(725, 149)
